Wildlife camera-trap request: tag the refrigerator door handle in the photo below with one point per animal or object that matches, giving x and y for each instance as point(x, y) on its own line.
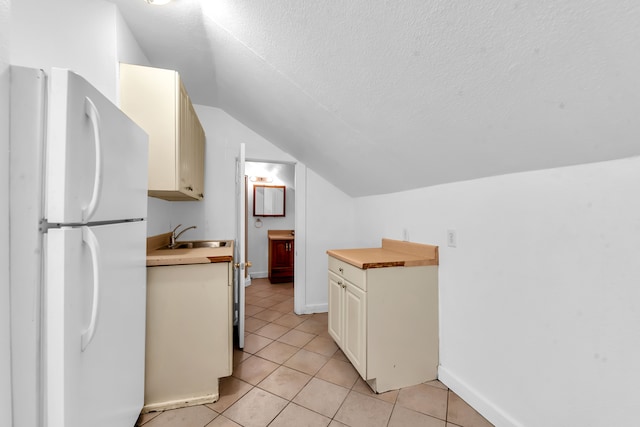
point(92, 112)
point(90, 239)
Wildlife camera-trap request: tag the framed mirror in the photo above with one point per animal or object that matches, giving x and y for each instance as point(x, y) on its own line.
point(268, 200)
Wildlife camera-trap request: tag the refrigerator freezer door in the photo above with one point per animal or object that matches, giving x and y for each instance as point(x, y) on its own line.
point(96, 157)
point(95, 287)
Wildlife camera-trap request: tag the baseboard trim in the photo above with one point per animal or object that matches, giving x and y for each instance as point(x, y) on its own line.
point(493, 413)
point(259, 275)
point(180, 403)
point(314, 308)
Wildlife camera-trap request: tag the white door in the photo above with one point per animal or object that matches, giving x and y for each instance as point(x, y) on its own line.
point(96, 157)
point(240, 260)
point(95, 293)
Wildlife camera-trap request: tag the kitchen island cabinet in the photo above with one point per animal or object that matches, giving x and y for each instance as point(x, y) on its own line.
point(347, 316)
point(383, 312)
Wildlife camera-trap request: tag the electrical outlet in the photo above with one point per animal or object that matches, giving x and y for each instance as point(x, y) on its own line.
point(452, 238)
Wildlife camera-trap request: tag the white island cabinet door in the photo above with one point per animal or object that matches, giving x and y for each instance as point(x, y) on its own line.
point(336, 308)
point(95, 291)
point(355, 328)
point(96, 157)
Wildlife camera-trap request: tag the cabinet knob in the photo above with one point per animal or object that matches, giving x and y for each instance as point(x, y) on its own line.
point(341, 270)
point(248, 264)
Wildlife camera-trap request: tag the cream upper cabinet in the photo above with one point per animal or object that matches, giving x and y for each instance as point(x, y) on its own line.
point(157, 101)
point(384, 314)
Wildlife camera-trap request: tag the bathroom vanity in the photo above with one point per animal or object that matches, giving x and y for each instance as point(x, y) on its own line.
point(281, 255)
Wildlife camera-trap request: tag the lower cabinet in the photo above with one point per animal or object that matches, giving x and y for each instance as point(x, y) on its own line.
point(385, 320)
point(189, 341)
point(281, 260)
point(348, 320)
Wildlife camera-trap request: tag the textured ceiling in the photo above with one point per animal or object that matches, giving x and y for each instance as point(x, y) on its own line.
point(380, 96)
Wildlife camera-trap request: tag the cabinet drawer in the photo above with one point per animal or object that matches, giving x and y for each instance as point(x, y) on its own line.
point(347, 271)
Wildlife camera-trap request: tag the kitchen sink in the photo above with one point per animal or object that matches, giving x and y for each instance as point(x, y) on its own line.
point(200, 244)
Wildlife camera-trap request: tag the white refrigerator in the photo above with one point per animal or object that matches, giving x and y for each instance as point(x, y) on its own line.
point(78, 203)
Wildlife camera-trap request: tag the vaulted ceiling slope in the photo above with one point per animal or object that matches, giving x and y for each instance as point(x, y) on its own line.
point(381, 96)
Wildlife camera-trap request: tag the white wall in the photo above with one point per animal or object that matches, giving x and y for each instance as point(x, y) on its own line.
point(215, 216)
point(127, 47)
point(129, 51)
point(5, 349)
point(75, 34)
point(540, 303)
point(330, 212)
point(331, 221)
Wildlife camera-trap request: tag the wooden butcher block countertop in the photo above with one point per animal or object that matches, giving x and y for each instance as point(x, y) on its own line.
point(393, 253)
point(158, 257)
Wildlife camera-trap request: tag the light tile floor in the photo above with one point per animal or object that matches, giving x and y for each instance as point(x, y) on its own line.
point(292, 374)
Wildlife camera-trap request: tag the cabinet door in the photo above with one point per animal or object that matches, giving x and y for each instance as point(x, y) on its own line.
point(282, 251)
point(191, 142)
point(148, 96)
point(189, 334)
point(199, 153)
point(280, 260)
point(355, 327)
point(336, 308)
point(157, 100)
point(185, 143)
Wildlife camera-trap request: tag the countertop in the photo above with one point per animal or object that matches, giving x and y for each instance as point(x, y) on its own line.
point(393, 253)
point(158, 257)
point(280, 234)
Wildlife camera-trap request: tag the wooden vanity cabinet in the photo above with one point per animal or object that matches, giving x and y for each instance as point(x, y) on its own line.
point(281, 258)
point(385, 320)
point(157, 100)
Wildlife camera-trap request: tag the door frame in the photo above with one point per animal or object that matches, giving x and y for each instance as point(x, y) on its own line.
point(300, 227)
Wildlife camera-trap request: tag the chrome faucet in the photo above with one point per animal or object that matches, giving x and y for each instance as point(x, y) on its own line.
point(174, 237)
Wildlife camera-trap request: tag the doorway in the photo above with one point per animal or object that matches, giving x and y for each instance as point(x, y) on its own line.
point(258, 227)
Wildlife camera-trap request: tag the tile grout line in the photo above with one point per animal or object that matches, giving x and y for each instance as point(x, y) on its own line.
point(291, 401)
point(329, 358)
point(243, 356)
point(350, 389)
